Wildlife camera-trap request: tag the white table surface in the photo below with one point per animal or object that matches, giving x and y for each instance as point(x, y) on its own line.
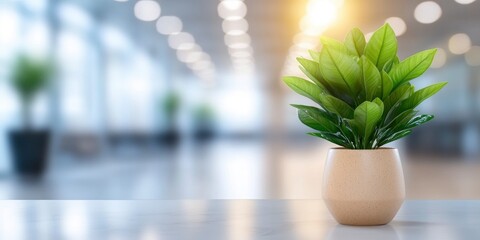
point(226, 219)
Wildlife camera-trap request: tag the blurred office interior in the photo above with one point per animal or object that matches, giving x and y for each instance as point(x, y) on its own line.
point(164, 99)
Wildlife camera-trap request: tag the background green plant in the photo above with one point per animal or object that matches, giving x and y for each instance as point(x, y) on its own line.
point(170, 106)
point(30, 76)
point(364, 91)
point(203, 115)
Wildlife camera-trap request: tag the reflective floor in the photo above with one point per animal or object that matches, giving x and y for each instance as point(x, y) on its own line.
point(227, 169)
point(227, 220)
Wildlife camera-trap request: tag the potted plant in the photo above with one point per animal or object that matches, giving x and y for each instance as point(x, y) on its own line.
point(170, 106)
point(29, 146)
point(366, 100)
point(203, 121)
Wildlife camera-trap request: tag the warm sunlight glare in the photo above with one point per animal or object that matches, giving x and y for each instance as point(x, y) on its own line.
point(320, 14)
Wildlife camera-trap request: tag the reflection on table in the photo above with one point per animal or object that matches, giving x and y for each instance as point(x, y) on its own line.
point(227, 219)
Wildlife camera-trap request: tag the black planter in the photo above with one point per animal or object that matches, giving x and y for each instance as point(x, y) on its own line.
point(203, 134)
point(29, 150)
point(169, 138)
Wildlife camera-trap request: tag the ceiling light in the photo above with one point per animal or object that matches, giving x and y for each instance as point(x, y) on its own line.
point(197, 56)
point(247, 49)
point(459, 43)
point(320, 14)
point(186, 46)
point(310, 27)
point(428, 12)
point(321, 11)
point(235, 27)
point(169, 25)
point(464, 1)
point(176, 40)
point(240, 54)
point(200, 65)
point(398, 25)
point(232, 4)
point(193, 57)
point(440, 58)
point(239, 45)
point(232, 10)
point(182, 55)
point(242, 60)
point(233, 39)
point(472, 57)
point(147, 10)
point(189, 55)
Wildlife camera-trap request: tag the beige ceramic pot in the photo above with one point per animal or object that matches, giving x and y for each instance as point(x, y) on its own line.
point(363, 187)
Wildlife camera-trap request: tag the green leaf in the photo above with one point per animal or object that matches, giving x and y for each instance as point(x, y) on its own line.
point(341, 69)
point(316, 118)
point(372, 81)
point(312, 78)
point(332, 138)
point(397, 95)
point(400, 123)
point(314, 55)
point(389, 65)
point(382, 46)
point(334, 44)
point(30, 75)
point(391, 124)
point(312, 69)
point(355, 42)
point(396, 136)
point(366, 117)
point(421, 95)
point(330, 88)
point(388, 128)
point(335, 105)
point(412, 67)
point(304, 88)
point(379, 102)
point(396, 60)
point(349, 133)
point(418, 120)
point(387, 84)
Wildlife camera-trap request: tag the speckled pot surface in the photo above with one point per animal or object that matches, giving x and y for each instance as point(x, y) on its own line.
point(363, 187)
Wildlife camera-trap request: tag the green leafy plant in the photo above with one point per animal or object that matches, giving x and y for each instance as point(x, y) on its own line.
point(364, 91)
point(29, 77)
point(203, 115)
point(170, 106)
